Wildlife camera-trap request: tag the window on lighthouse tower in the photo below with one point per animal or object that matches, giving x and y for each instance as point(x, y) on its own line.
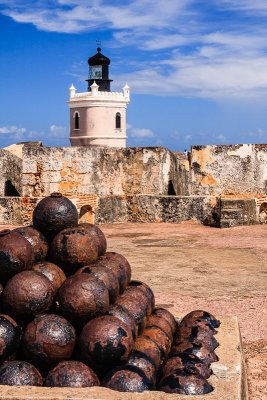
point(77, 122)
point(118, 121)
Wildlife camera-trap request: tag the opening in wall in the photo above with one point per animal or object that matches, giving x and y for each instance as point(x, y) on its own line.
point(86, 215)
point(77, 120)
point(10, 189)
point(263, 214)
point(118, 121)
point(171, 191)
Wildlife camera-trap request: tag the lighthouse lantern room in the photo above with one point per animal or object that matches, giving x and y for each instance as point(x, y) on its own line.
point(98, 116)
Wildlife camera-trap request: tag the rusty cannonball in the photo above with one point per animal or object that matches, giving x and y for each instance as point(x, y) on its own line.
point(142, 361)
point(183, 383)
point(10, 337)
point(136, 305)
point(146, 346)
point(72, 374)
point(192, 322)
point(127, 378)
point(204, 353)
point(20, 373)
point(53, 214)
point(196, 334)
point(105, 342)
point(120, 266)
point(52, 272)
point(37, 240)
point(183, 362)
point(154, 320)
point(106, 275)
point(203, 316)
point(160, 338)
point(16, 254)
point(81, 297)
point(27, 294)
point(48, 339)
point(73, 248)
point(166, 315)
point(144, 288)
point(100, 237)
point(119, 312)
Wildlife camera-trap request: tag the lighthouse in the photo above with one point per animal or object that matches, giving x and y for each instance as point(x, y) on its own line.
point(98, 116)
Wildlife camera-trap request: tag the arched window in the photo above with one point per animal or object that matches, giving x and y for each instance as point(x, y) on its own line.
point(77, 122)
point(118, 121)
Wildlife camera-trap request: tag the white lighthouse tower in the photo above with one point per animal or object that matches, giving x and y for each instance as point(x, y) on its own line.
point(98, 116)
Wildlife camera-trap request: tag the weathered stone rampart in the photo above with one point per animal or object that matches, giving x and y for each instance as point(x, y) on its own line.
point(216, 185)
point(239, 169)
point(99, 171)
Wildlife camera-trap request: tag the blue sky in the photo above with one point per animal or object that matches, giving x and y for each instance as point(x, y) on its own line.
point(197, 69)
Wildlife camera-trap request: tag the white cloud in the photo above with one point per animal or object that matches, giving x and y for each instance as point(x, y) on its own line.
point(191, 51)
point(139, 132)
point(57, 131)
point(222, 138)
point(12, 130)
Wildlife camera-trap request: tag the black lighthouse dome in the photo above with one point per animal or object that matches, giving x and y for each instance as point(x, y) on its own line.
point(99, 71)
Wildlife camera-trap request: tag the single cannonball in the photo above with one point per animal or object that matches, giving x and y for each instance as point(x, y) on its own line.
point(72, 374)
point(52, 272)
point(118, 311)
point(53, 214)
point(146, 290)
point(146, 346)
point(106, 275)
point(202, 315)
point(100, 237)
point(160, 338)
point(106, 341)
point(183, 362)
point(196, 334)
point(204, 325)
point(136, 305)
point(183, 383)
point(73, 248)
point(142, 361)
point(27, 294)
point(161, 323)
point(204, 353)
point(120, 266)
point(82, 297)
point(37, 240)
point(10, 336)
point(20, 373)
point(16, 254)
point(127, 378)
point(48, 339)
point(166, 315)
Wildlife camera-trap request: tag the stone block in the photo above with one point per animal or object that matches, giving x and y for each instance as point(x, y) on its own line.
point(29, 167)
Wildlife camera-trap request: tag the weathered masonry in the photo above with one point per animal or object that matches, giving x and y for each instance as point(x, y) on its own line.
point(216, 185)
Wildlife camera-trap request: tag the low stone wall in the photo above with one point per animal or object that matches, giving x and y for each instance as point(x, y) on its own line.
point(80, 171)
point(236, 212)
point(140, 208)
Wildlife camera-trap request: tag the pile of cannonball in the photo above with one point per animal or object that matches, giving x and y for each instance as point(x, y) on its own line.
point(72, 317)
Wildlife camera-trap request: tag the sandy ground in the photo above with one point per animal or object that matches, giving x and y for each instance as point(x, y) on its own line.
point(191, 267)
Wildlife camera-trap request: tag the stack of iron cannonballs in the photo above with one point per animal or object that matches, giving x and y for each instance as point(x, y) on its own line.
point(72, 317)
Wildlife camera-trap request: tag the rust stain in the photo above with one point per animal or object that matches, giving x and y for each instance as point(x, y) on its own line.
point(67, 187)
point(202, 157)
point(209, 180)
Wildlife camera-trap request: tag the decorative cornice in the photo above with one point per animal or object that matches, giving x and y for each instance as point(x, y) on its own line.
point(98, 103)
point(98, 137)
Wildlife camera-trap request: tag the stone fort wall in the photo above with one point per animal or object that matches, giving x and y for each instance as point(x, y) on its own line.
point(216, 185)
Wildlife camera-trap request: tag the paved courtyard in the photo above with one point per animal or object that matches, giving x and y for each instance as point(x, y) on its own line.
point(223, 271)
point(191, 266)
